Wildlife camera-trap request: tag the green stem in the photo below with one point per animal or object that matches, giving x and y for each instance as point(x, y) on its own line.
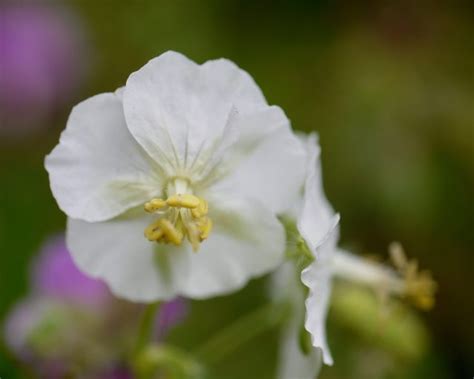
point(146, 326)
point(241, 331)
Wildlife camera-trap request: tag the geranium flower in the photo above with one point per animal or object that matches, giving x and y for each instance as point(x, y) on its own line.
point(299, 357)
point(171, 313)
point(54, 274)
point(41, 46)
point(318, 225)
point(193, 157)
point(68, 313)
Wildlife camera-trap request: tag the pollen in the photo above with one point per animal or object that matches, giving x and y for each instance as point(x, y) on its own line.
point(180, 217)
point(418, 285)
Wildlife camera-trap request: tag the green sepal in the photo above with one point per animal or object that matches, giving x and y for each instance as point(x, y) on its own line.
point(297, 249)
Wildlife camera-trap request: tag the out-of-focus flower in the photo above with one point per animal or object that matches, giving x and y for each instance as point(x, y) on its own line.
point(42, 60)
point(55, 274)
point(72, 322)
point(171, 313)
point(397, 330)
point(199, 147)
point(52, 337)
point(59, 326)
point(318, 225)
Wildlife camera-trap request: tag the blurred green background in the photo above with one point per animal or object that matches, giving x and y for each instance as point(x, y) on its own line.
point(387, 85)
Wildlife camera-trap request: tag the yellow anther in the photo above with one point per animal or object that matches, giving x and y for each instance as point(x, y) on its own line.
point(201, 209)
point(424, 303)
point(153, 231)
point(154, 235)
point(183, 201)
point(419, 286)
point(205, 227)
point(170, 233)
point(155, 204)
point(181, 216)
point(397, 255)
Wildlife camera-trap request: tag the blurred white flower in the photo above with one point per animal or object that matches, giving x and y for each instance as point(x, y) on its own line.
point(295, 358)
point(192, 156)
point(318, 225)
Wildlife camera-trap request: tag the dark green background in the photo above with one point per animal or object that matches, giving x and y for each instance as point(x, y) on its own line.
point(387, 85)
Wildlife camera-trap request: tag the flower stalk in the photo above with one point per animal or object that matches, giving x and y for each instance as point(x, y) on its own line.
point(242, 331)
point(146, 326)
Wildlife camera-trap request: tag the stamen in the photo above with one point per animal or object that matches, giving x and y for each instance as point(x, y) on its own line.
point(154, 204)
point(419, 286)
point(201, 209)
point(180, 216)
point(184, 201)
point(171, 234)
point(404, 280)
point(205, 227)
point(153, 231)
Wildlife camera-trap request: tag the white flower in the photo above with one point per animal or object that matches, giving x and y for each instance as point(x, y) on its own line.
point(192, 156)
point(293, 361)
point(318, 225)
point(299, 358)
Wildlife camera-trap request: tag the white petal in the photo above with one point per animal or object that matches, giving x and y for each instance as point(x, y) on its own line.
point(292, 362)
point(273, 172)
point(117, 252)
point(318, 277)
point(247, 241)
point(98, 170)
point(242, 134)
point(317, 218)
point(233, 83)
point(318, 225)
point(176, 109)
point(317, 303)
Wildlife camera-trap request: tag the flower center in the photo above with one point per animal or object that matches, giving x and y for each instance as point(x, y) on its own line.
point(182, 215)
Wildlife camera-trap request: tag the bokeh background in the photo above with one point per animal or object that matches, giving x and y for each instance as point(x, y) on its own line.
point(389, 87)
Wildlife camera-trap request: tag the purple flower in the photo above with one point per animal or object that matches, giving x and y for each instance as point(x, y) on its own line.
point(171, 313)
point(35, 332)
point(40, 51)
point(68, 313)
point(20, 322)
point(55, 274)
